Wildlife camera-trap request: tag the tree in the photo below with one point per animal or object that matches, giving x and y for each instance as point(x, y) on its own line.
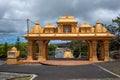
point(17, 45)
point(22, 47)
point(5, 50)
point(51, 49)
point(116, 27)
point(78, 46)
point(111, 28)
point(1, 50)
point(23, 50)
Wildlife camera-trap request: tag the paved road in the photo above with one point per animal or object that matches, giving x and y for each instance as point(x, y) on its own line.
point(59, 72)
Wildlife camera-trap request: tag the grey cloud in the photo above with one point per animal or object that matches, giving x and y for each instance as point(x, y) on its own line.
point(46, 11)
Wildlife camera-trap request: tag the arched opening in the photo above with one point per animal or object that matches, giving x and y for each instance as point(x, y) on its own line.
point(78, 48)
point(66, 30)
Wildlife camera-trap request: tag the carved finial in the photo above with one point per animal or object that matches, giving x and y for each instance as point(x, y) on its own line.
point(85, 24)
point(37, 23)
point(98, 22)
point(14, 49)
point(49, 25)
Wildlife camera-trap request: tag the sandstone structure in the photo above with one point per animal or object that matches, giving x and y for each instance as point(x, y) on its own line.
point(67, 29)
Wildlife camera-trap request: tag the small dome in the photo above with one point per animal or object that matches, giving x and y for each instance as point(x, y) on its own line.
point(50, 25)
point(85, 25)
point(14, 49)
point(37, 23)
point(98, 22)
point(36, 28)
point(99, 27)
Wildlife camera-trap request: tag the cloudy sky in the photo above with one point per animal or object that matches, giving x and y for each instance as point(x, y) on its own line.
point(49, 11)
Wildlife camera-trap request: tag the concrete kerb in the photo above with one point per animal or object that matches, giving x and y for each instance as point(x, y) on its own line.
point(13, 75)
point(33, 76)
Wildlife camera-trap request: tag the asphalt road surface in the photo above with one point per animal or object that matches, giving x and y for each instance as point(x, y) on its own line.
point(45, 72)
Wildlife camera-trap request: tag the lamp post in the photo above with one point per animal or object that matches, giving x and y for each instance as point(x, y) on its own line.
point(28, 25)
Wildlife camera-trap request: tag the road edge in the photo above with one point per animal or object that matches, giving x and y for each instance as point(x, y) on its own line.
point(107, 70)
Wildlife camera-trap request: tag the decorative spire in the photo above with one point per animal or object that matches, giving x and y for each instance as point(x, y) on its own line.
point(14, 49)
point(49, 25)
point(37, 23)
point(98, 22)
point(85, 25)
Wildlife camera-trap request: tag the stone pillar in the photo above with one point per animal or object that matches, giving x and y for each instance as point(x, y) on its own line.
point(43, 50)
point(106, 50)
point(46, 45)
point(102, 51)
point(90, 50)
point(46, 48)
point(94, 50)
point(34, 50)
point(29, 56)
point(60, 28)
point(73, 28)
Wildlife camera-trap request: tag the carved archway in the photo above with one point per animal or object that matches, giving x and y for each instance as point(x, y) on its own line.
point(85, 32)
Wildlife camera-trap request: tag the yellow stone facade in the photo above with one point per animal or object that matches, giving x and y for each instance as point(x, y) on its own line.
point(67, 29)
point(13, 56)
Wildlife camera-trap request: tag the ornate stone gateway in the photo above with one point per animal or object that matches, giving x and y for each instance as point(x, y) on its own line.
point(67, 29)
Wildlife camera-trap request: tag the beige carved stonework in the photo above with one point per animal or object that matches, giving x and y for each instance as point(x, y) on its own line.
point(67, 29)
point(12, 56)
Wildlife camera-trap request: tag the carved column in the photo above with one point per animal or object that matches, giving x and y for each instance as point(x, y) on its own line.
point(73, 28)
point(102, 51)
point(43, 50)
point(94, 50)
point(106, 50)
point(29, 56)
point(34, 49)
point(90, 50)
point(46, 48)
point(60, 28)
